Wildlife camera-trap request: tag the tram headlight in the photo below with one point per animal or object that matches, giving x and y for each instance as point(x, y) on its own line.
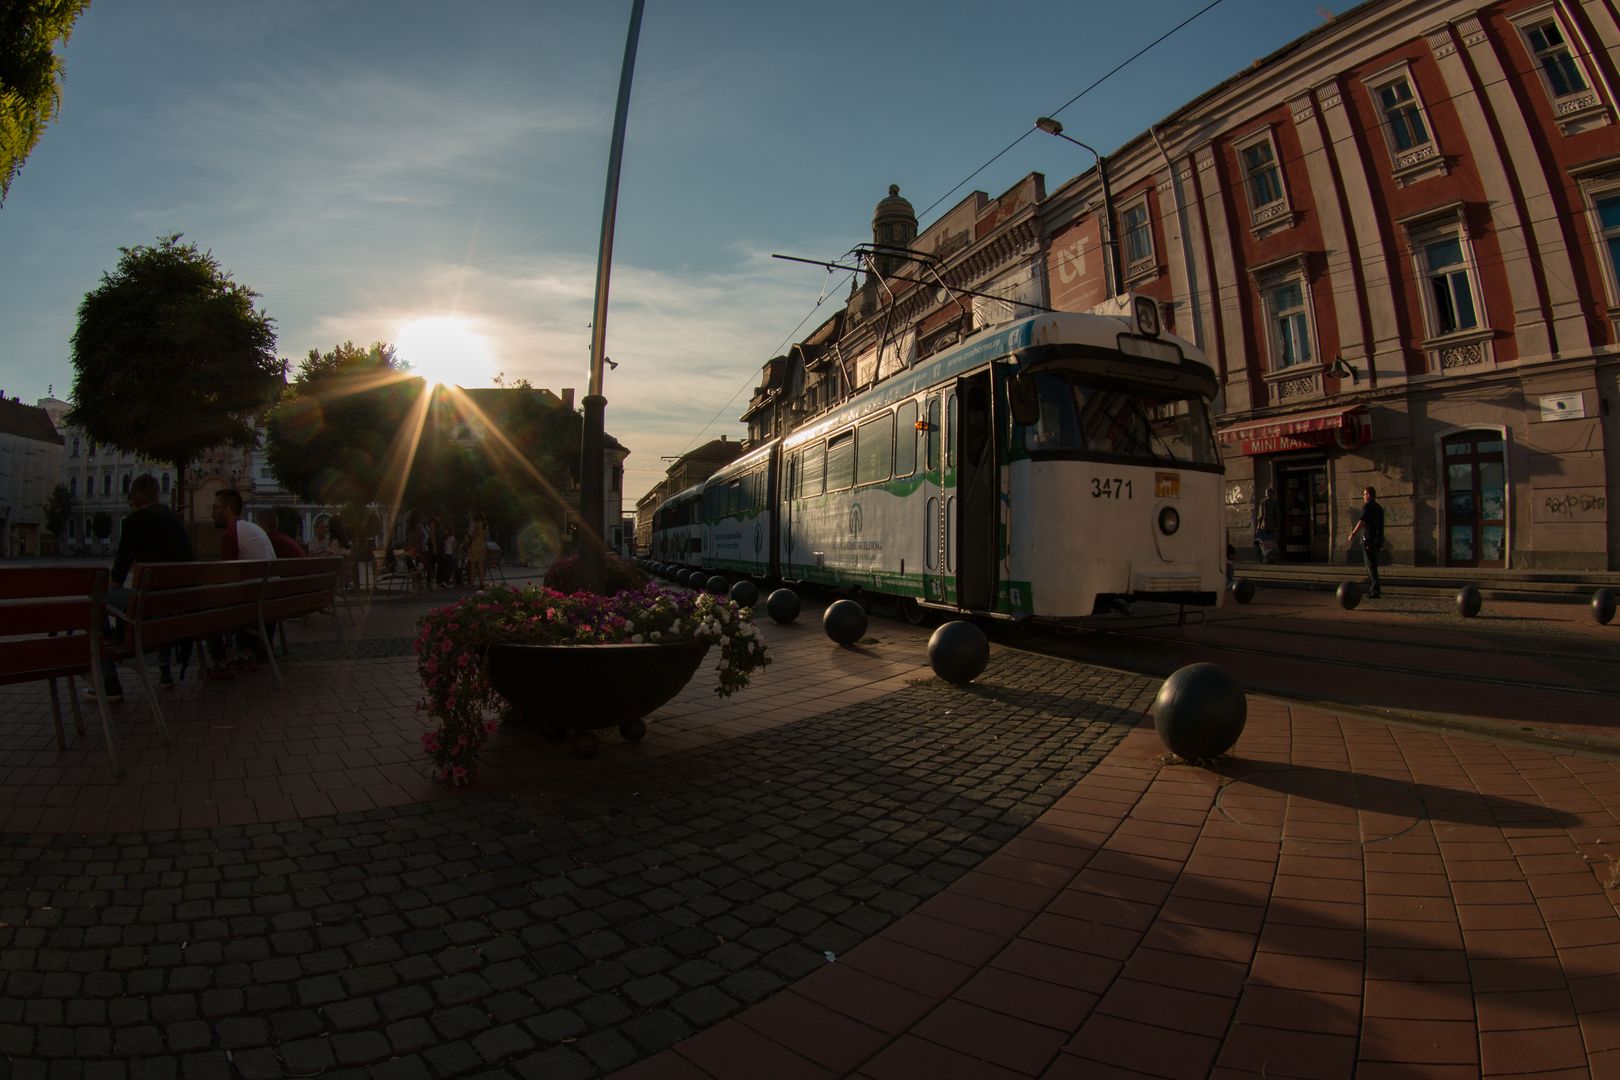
point(1169, 521)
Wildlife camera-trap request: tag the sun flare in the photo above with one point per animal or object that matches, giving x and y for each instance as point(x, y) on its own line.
point(446, 350)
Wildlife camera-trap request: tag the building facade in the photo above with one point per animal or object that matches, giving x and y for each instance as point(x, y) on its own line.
point(30, 462)
point(1397, 239)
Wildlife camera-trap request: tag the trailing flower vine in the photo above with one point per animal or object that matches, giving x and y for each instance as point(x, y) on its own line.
point(452, 646)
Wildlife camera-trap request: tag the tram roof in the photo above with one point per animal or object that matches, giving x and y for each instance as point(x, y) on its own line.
point(1019, 339)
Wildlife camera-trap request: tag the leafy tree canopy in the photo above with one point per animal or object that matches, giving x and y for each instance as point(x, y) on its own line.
point(171, 358)
point(58, 509)
point(30, 75)
point(332, 438)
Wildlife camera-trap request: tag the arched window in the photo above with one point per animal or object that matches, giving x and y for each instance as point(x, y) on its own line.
point(126, 483)
point(73, 528)
point(73, 486)
point(165, 483)
point(89, 528)
point(75, 446)
point(106, 484)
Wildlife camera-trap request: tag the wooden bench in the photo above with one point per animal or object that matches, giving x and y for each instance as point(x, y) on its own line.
point(191, 601)
point(49, 621)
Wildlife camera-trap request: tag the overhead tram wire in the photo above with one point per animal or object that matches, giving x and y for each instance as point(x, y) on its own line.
point(1116, 69)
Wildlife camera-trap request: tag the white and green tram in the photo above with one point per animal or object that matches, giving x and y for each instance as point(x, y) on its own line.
point(1048, 469)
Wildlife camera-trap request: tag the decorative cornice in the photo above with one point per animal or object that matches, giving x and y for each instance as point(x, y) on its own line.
point(1472, 31)
point(1441, 43)
point(1302, 108)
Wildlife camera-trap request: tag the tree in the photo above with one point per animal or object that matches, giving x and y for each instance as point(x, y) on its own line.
point(59, 508)
point(30, 75)
point(171, 358)
point(331, 439)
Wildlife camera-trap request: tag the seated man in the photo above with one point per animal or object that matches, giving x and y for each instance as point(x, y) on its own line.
point(286, 547)
point(238, 539)
point(151, 533)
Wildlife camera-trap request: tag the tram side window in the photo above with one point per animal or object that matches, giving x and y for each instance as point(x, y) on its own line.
point(950, 436)
point(905, 439)
point(814, 470)
point(874, 449)
point(841, 461)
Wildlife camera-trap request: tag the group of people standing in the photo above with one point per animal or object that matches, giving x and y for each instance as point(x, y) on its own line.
point(447, 555)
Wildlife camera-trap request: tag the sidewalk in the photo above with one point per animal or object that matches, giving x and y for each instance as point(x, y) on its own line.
point(849, 869)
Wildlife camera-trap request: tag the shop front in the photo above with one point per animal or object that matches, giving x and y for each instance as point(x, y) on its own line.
point(1293, 456)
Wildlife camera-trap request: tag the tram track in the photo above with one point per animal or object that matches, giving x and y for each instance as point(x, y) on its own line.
point(1379, 667)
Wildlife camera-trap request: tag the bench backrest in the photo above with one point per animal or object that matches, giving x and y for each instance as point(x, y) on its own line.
point(66, 601)
point(184, 600)
point(300, 586)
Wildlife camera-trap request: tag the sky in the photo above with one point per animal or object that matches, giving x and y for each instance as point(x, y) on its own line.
point(432, 174)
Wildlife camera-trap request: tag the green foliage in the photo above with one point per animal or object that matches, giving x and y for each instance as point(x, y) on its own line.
point(101, 524)
point(618, 575)
point(30, 75)
point(170, 356)
point(332, 437)
point(59, 508)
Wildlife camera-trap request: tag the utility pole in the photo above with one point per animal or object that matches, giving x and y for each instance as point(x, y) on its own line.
point(592, 503)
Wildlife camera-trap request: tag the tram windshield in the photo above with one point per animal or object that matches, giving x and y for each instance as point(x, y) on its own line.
point(1138, 424)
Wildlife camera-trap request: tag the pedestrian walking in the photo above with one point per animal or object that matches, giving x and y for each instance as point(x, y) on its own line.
point(1370, 527)
point(1268, 520)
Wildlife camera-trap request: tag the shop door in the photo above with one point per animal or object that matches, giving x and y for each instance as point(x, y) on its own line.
point(1304, 495)
point(1476, 499)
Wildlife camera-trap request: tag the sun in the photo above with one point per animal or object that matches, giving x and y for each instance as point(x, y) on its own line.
point(446, 350)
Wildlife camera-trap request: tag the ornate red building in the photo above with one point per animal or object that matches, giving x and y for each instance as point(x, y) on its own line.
point(1397, 239)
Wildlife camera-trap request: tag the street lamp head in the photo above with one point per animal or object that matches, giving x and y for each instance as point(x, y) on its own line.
point(1049, 125)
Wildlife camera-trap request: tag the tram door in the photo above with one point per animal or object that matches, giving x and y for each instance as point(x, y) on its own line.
point(933, 496)
point(976, 515)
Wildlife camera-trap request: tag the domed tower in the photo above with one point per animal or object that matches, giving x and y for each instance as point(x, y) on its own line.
point(894, 225)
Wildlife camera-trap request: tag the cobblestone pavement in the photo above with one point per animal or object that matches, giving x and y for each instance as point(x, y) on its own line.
point(560, 933)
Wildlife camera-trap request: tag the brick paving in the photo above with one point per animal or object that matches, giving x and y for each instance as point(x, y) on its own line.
point(850, 869)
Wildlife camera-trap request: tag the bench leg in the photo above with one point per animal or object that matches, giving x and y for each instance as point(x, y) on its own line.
point(107, 726)
point(151, 694)
point(56, 713)
point(73, 703)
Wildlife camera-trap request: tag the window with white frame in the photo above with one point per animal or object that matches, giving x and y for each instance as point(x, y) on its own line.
point(1600, 190)
point(1556, 55)
point(1556, 59)
point(1403, 116)
point(1262, 177)
point(1138, 231)
point(1608, 214)
point(1288, 322)
point(1446, 263)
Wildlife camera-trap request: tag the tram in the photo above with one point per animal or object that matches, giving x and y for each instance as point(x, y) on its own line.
point(1051, 468)
point(677, 533)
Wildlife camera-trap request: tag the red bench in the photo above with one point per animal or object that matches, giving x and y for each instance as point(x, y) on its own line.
point(48, 630)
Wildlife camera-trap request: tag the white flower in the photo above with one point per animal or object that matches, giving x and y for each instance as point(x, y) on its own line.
point(635, 639)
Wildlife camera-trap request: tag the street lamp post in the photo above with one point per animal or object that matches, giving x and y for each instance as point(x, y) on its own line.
point(1053, 127)
point(592, 503)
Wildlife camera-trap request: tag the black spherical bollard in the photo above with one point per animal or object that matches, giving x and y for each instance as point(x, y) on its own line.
point(1469, 601)
point(692, 579)
point(1603, 606)
point(783, 605)
point(844, 621)
point(1349, 595)
point(745, 593)
point(1200, 712)
point(718, 585)
point(958, 652)
point(1243, 590)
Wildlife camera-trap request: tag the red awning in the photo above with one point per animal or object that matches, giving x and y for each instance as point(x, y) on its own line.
point(1347, 416)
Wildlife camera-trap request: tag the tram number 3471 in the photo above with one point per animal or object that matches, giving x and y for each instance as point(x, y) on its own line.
point(1103, 488)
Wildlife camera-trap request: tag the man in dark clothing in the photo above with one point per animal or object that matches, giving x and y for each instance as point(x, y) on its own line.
point(151, 533)
point(286, 547)
point(1371, 528)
